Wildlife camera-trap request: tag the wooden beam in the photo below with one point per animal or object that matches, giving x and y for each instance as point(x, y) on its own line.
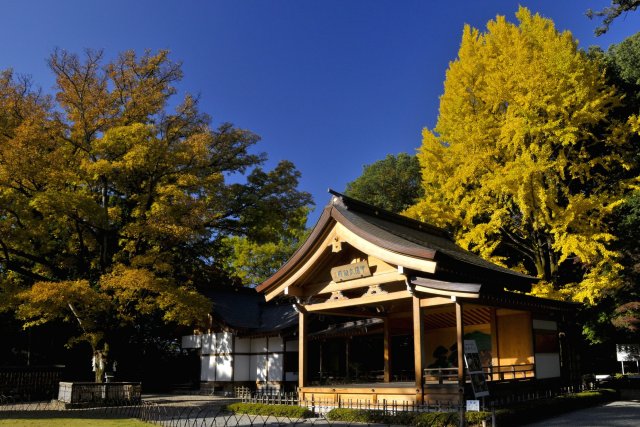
point(347, 313)
point(418, 350)
point(294, 291)
point(387, 353)
point(374, 299)
point(427, 290)
point(435, 301)
point(331, 286)
point(302, 348)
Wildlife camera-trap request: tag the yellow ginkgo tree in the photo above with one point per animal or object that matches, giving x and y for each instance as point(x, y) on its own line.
point(525, 163)
point(113, 209)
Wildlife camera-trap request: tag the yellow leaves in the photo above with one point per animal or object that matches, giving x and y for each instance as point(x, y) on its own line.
point(545, 289)
point(147, 292)
point(522, 154)
point(125, 293)
point(70, 300)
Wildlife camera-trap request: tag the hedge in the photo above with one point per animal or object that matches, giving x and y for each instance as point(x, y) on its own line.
point(285, 411)
point(514, 416)
point(425, 419)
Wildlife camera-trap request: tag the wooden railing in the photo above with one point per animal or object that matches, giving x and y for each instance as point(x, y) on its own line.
point(492, 373)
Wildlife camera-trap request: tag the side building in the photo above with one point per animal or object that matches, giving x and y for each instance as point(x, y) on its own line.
point(249, 343)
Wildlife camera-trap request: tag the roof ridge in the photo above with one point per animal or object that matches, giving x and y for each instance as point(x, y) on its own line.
point(350, 203)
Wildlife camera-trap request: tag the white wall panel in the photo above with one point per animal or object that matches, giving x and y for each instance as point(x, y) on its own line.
point(208, 368)
point(208, 344)
point(258, 345)
point(275, 367)
point(224, 368)
point(224, 342)
point(241, 367)
point(258, 367)
point(243, 345)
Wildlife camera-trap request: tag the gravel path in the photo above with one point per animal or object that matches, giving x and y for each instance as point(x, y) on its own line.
point(613, 414)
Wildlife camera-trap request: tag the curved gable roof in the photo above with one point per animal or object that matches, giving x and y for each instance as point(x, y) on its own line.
point(400, 235)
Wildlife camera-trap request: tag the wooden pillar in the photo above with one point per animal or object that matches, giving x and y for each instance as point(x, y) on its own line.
point(418, 353)
point(461, 370)
point(387, 353)
point(460, 343)
point(302, 348)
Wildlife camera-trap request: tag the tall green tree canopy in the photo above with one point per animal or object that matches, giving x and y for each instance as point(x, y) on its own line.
point(392, 183)
point(525, 163)
point(111, 206)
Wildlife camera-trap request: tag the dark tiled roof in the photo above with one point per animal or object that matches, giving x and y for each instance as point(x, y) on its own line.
point(411, 234)
point(246, 311)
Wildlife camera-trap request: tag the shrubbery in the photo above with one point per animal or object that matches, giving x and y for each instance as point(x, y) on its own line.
point(287, 411)
point(513, 416)
point(426, 419)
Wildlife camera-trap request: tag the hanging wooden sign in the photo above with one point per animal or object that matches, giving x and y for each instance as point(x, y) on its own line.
point(346, 272)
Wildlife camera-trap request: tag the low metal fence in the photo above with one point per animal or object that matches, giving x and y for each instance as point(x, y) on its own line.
point(207, 411)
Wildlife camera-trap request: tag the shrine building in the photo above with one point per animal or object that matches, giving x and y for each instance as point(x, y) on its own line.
point(386, 304)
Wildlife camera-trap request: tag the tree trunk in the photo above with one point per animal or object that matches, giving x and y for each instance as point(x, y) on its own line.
point(100, 360)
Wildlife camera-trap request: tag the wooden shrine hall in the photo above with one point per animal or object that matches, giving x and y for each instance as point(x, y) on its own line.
point(407, 286)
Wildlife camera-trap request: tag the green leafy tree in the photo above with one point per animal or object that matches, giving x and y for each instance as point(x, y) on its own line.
point(525, 161)
point(621, 63)
point(610, 13)
point(113, 209)
point(253, 262)
point(392, 183)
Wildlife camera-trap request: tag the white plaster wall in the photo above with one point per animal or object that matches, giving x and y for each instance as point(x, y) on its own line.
point(258, 345)
point(275, 367)
point(224, 342)
point(208, 344)
point(208, 368)
point(258, 367)
point(224, 368)
point(242, 368)
point(243, 345)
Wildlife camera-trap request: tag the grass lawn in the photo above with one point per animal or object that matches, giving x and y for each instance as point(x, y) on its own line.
point(73, 422)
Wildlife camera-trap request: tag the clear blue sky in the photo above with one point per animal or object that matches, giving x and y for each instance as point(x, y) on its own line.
point(329, 85)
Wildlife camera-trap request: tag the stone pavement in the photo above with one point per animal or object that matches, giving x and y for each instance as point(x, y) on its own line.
point(614, 414)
